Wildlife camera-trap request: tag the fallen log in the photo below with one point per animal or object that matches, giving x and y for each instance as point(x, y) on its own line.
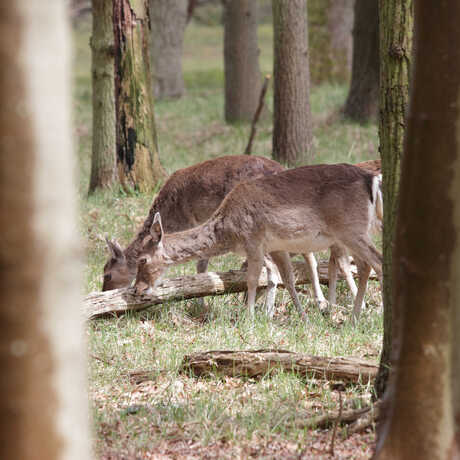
point(256, 363)
point(118, 301)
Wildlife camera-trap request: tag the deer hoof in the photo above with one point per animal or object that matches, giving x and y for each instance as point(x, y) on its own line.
point(324, 307)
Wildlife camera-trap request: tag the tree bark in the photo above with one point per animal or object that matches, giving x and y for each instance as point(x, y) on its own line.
point(362, 103)
point(257, 363)
point(138, 161)
point(292, 131)
point(243, 79)
point(396, 20)
point(330, 24)
point(423, 418)
point(42, 386)
point(103, 161)
point(186, 287)
point(168, 22)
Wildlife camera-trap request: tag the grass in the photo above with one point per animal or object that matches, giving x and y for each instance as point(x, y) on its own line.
point(174, 414)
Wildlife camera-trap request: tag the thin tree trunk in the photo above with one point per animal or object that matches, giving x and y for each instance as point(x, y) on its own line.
point(139, 165)
point(396, 21)
point(42, 386)
point(168, 21)
point(330, 24)
point(243, 79)
point(423, 420)
point(292, 131)
point(363, 98)
point(103, 162)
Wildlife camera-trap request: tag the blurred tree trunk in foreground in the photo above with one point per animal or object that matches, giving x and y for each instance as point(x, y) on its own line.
point(243, 80)
point(138, 161)
point(292, 131)
point(396, 24)
point(103, 161)
point(362, 103)
point(43, 405)
point(423, 420)
point(330, 24)
point(168, 19)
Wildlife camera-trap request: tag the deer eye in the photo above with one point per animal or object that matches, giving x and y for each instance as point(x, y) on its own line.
point(143, 260)
point(107, 277)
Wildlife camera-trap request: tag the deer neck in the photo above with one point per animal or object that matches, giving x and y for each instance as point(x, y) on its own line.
point(201, 242)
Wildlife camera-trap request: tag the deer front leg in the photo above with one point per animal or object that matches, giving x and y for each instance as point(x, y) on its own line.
point(255, 258)
point(332, 278)
point(312, 267)
point(273, 280)
point(202, 267)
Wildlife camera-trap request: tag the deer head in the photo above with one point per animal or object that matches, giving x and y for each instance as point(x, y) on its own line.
point(153, 259)
point(116, 271)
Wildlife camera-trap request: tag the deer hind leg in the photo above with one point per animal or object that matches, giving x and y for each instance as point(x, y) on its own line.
point(255, 259)
point(283, 262)
point(312, 266)
point(339, 259)
point(365, 253)
point(363, 249)
point(364, 270)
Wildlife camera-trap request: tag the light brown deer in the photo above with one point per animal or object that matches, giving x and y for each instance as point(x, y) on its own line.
point(339, 257)
point(301, 210)
point(188, 198)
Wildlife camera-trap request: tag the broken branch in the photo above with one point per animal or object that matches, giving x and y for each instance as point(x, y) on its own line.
point(263, 91)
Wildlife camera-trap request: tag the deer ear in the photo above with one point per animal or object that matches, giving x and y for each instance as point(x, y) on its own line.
point(115, 249)
point(156, 230)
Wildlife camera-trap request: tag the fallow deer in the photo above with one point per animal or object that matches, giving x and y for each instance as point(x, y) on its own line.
point(340, 259)
point(301, 210)
point(188, 198)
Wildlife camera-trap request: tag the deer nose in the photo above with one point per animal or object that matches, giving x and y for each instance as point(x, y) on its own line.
point(142, 288)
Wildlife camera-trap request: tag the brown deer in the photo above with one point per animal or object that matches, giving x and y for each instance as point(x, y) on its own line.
point(339, 257)
point(301, 210)
point(188, 198)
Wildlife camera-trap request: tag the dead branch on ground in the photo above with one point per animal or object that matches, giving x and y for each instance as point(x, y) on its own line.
point(256, 363)
point(120, 301)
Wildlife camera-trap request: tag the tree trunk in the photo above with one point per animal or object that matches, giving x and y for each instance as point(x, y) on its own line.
point(423, 420)
point(362, 103)
point(330, 24)
point(396, 21)
point(43, 405)
point(139, 165)
point(292, 132)
point(168, 19)
point(103, 162)
point(243, 79)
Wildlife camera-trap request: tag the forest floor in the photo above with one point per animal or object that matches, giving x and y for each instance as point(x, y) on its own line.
point(178, 416)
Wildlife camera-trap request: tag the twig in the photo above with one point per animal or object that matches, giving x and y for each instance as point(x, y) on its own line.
point(100, 359)
point(366, 420)
point(263, 91)
point(336, 424)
